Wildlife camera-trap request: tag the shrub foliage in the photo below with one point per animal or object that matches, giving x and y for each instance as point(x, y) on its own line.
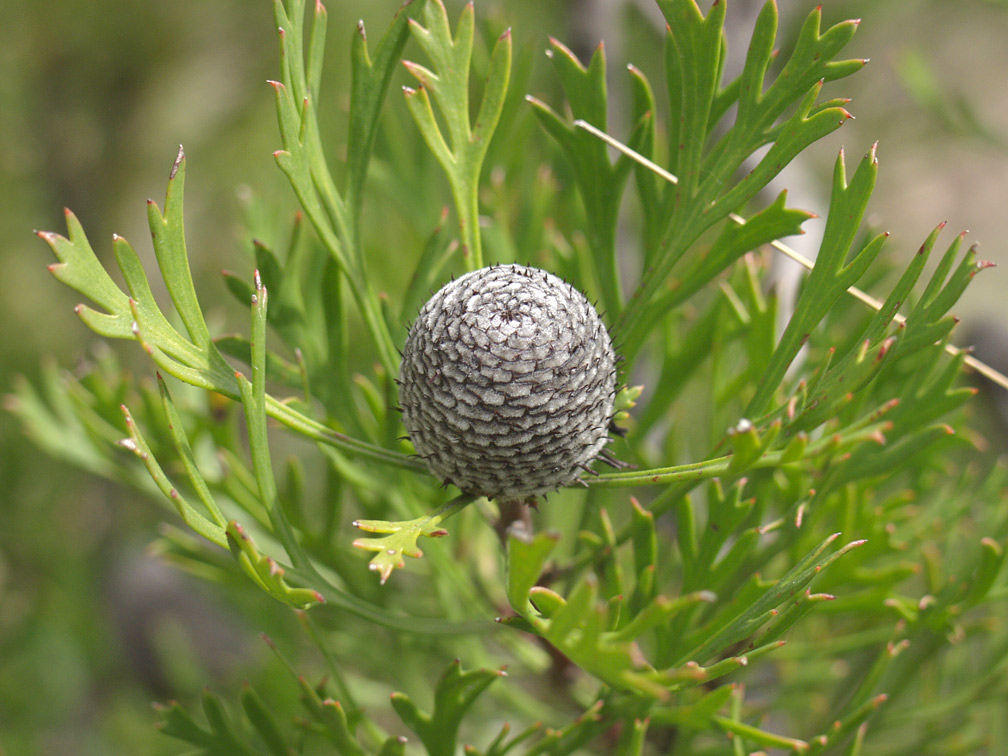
point(806, 552)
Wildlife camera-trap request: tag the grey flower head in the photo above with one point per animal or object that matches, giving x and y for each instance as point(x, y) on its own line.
point(507, 382)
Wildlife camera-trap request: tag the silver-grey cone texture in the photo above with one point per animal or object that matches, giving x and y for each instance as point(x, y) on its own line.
point(507, 382)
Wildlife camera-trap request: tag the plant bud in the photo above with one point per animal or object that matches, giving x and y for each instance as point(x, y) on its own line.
point(507, 383)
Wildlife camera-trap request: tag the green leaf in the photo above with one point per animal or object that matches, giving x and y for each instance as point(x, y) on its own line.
point(136, 443)
point(79, 268)
point(461, 154)
point(402, 536)
point(575, 735)
point(842, 728)
point(744, 622)
point(219, 738)
point(253, 396)
point(186, 454)
point(831, 277)
point(707, 190)
point(303, 160)
point(455, 693)
point(500, 745)
point(600, 183)
point(59, 426)
point(526, 557)
point(168, 233)
point(394, 746)
point(141, 320)
point(761, 737)
point(768, 225)
point(644, 538)
point(265, 571)
point(370, 80)
point(698, 44)
point(261, 718)
point(334, 724)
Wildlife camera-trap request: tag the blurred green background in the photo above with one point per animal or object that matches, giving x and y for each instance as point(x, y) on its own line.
point(95, 99)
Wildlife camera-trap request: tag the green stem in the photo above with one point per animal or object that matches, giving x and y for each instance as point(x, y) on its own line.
point(316, 431)
point(466, 191)
point(694, 471)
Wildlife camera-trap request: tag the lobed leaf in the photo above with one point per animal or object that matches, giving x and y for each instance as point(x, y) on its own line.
point(454, 695)
point(830, 278)
point(402, 537)
point(462, 153)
